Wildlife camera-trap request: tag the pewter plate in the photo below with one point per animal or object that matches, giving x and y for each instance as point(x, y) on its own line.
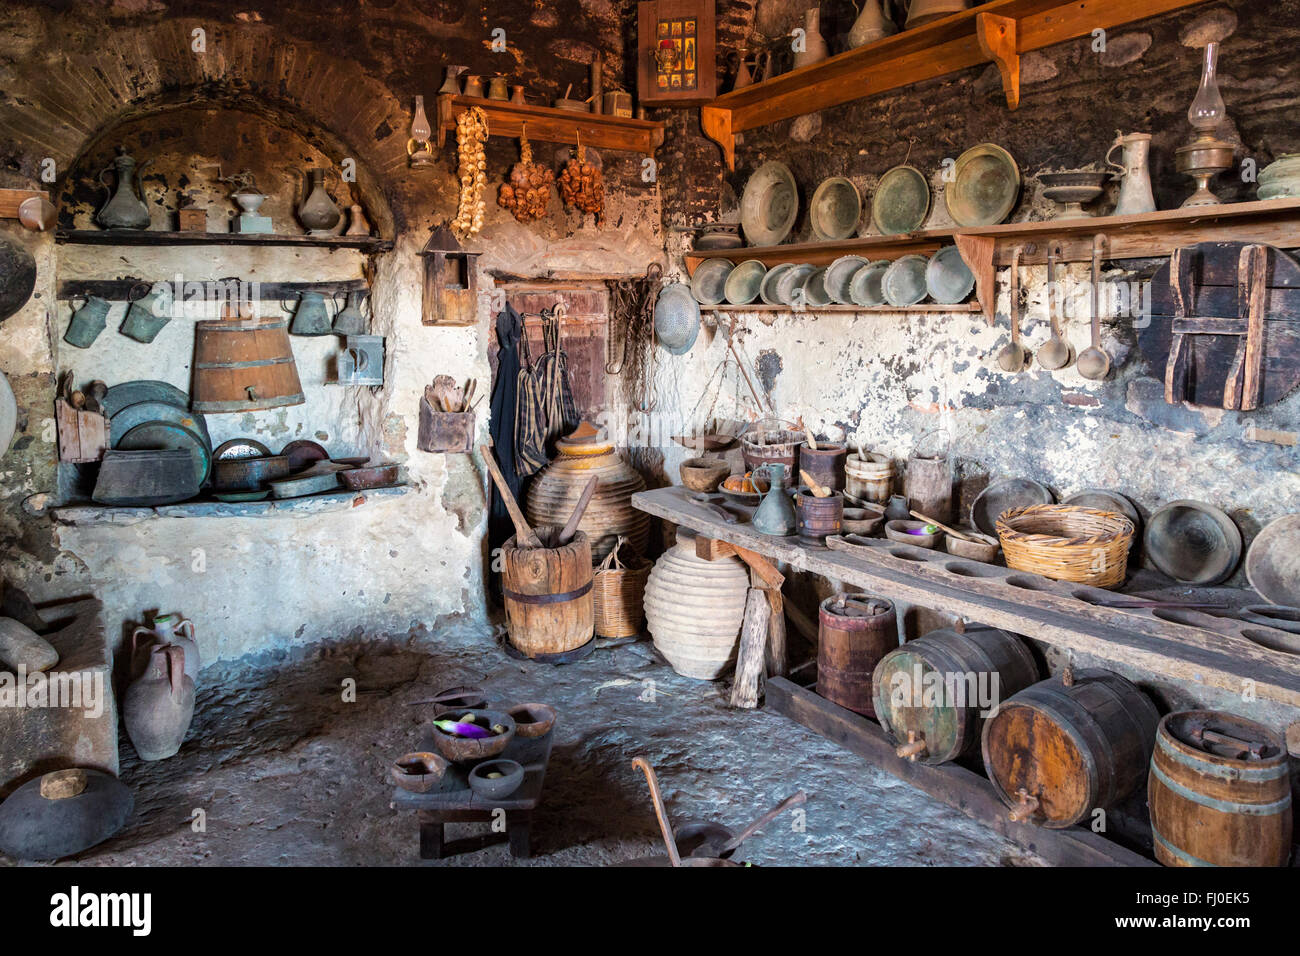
point(768, 291)
point(901, 202)
point(126, 419)
point(839, 278)
point(745, 281)
point(947, 277)
point(143, 390)
point(1003, 496)
point(709, 283)
point(985, 186)
point(835, 209)
point(769, 205)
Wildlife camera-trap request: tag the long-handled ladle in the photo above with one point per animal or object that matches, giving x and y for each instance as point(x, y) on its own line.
point(1094, 362)
point(1014, 357)
point(1055, 353)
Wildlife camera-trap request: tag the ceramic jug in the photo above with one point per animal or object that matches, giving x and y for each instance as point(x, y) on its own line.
point(814, 44)
point(350, 320)
point(318, 212)
point(87, 322)
point(921, 12)
point(359, 225)
point(775, 514)
point(474, 86)
point(451, 84)
point(147, 315)
point(159, 704)
point(897, 509)
point(1135, 191)
point(311, 317)
point(168, 629)
point(875, 21)
point(124, 209)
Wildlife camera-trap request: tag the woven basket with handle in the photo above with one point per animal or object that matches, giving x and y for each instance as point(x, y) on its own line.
point(619, 593)
point(1067, 543)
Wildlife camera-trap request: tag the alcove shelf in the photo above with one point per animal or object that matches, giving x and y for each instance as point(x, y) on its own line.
point(323, 503)
point(998, 32)
point(550, 125)
point(846, 309)
point(148, 237)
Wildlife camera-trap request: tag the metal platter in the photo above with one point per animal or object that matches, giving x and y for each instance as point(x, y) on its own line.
point(769, 205)
point(120, 425)
point(238, 448)
point(144, 390)
point(303, 453)
point(709, 282)
point(984, 188)
point(835, 209)
point(1003, 496)
point(767, 291)
point(169, 435)
point(901, 202)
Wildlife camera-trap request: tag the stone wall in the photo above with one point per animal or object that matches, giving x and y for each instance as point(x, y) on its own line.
point(277, 88)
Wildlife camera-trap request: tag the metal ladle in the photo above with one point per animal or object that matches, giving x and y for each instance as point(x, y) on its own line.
point(1056, 352)
point(1014, 357)
point(1095, 362)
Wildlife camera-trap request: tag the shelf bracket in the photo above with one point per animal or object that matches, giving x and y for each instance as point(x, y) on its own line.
point(997, 38)
point(717, 127)
point(977, 253)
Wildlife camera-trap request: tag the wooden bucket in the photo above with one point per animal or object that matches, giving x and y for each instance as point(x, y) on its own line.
point(933, 728)
point(1064, 747)
point(767, 445)
point(1219, 792)
point(549, 605)
point(849, 647)
point(816, 519)
point(244, 365)
point(870, 478)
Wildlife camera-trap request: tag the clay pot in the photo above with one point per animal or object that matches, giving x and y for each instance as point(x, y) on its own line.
point(532, 720)
point(419, 772)
point(167, 629)
point(464, 749)
point(704, 474)
point(159, 705)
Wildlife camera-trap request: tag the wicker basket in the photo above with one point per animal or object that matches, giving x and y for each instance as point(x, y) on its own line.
point(619, 591)
point(1067, 543)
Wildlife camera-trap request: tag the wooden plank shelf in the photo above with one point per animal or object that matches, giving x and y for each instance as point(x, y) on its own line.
point(124, 290)
point(550, 125)
point(325, 502)
point(1214, 655)
point(998, 32)
point(1156, 234)
point(847, 309)
point(149, 237)
point(11, 199)
point(951, 783)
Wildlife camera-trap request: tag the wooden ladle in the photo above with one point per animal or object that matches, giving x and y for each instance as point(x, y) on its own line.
point(1055, 353)
point(1014, 357)
point(1094, 361)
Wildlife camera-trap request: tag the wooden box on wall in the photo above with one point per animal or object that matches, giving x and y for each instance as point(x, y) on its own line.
point(676, 61)
point(450, 281)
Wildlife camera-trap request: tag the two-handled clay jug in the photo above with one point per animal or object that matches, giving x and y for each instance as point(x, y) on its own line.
point(169, 629)
point(159, 704)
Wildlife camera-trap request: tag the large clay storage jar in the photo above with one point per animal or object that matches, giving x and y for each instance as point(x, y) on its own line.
point(558, 487)
point(694, 609)
point(1067, 746)
point(870, 478)
point(244, 365)
point(854, 631)
point(976, 671)
point(547, 593)
point(1219, 792)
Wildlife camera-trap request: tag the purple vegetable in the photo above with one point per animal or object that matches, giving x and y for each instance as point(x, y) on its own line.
point(460, 729)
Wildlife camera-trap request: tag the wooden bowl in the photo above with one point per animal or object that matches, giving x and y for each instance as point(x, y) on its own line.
point(532, 720)
point(462, 749)
point(861, 521)
point(704, 474)
point(419, 772)
point(900, 531)
point(496, 788)
point(460, 699)
point(984, 549)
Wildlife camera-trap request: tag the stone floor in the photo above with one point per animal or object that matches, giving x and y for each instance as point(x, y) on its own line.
point(287, 772)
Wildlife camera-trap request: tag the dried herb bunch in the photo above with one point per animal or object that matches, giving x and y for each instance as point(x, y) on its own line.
point(581, 185)
point(527, 193)
point(471, 134)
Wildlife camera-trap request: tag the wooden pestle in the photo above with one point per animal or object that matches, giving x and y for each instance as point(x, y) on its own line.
point(523, 531)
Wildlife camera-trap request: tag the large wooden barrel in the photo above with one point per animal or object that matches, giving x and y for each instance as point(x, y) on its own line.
point(1064, 747)
point(694, 609)
point(1219, 792)
point(547, 592)
point(934, 693)
point(557, 488)
point(854, 631)
point(243, 365)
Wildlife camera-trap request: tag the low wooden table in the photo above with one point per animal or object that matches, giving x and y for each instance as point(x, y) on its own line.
point(454, 802)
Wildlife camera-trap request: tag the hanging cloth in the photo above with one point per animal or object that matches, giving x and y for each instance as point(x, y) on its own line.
point(510, 330)
point(546, 409)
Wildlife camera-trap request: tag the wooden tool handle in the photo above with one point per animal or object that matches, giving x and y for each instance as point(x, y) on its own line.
point(815, 488)
point(571, 526)
point(673, 856)
point(763, 821)
point(938, 524)
point(523, 531)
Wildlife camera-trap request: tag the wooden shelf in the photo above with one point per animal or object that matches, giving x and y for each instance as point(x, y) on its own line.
point(1148, 235)
point(325, 502)
point(147, 237)
point(846, 309)
point(999, 32)
point(121, 290)
point(550, 125)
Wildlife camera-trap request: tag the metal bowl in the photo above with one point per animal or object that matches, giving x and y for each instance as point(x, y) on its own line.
point(839, 278)
point(947, 277)
point(904, 281)
point(1003, 496)
point(865, 289)
point(769, 205)
point(709, 282)
point(814, 289)
point(1193, 542)
point(835, 209)
point(744, 282)
point(1273, 562)
point(901, 202)
point(793, 279)
point(767, 291)
point(984, 187)
point(677, 318)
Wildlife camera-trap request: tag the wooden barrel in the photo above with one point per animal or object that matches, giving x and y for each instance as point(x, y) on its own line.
point(854, 632)
point(1219, 792)
point(243, 365)
point(870, 478)
point(772, 446)
point(1064, 747)
point(547, 592)
point(934, 693)
point(825, 464)
point(818, 518)
point(928, 487)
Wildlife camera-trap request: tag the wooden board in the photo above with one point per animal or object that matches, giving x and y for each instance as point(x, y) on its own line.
point(1047, 611)
point(11, 199)
point(546, 124)
point(149, 237)
point(956, 786)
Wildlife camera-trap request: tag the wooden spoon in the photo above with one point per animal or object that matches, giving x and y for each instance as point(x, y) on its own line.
point(1055, 353)
point(952, 531)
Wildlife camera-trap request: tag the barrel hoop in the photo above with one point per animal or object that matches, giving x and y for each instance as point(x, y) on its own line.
point(1276, 772)
point(251, 363)
point(1180, 854)
point(1223, 806)
point(560, 598)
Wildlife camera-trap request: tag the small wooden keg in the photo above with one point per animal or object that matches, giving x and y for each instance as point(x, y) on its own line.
point(870, 478)
point(975, 671)
point(854, 632)
point(1219, 792)
point(928, 486)
point(1064, 747)
point(549, 605)
point(816, 519)
point(825, 463)
point(244, 364)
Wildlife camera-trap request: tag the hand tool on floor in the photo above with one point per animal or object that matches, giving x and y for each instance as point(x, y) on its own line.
point(711, 847)
point(662, 814)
